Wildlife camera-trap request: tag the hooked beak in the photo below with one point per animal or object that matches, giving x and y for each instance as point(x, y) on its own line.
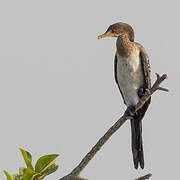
point(106, 34)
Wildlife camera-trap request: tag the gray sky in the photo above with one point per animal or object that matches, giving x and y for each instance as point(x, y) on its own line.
point(58, 93)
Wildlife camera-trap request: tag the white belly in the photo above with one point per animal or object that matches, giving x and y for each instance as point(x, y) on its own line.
point(130, 77)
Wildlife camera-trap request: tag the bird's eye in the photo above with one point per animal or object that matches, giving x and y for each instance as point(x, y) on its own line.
point(113, 31)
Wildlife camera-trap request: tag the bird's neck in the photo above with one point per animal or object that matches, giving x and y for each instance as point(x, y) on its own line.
point(124, 45)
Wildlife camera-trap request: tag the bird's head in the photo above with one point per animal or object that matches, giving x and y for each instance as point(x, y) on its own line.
point(119, 29)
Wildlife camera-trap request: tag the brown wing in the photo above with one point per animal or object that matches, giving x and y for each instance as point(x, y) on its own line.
point(115, 75)
point(147, 77)
point(145, 67)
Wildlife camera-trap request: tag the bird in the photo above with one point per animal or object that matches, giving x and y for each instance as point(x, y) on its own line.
point(133, 77)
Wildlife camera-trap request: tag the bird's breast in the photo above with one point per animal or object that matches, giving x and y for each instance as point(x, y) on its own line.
point(129, 77)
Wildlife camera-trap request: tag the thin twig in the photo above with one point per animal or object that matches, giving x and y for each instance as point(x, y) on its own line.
point(74, 175)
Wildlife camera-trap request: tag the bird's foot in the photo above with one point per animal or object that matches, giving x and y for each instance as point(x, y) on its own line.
point(129, 111)
point(141, 92)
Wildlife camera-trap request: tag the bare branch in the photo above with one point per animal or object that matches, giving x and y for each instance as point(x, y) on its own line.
point(149, 92)
point(144, 177)
point(163, 89)
point(74, 175)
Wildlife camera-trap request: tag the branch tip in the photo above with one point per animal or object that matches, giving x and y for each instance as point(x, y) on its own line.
point(163, 89)
point(157, 75)
point(164, 76)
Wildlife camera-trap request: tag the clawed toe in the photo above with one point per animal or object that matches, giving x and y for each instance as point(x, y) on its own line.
point(129, 111)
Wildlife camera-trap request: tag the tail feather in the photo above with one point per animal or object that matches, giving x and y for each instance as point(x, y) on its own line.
point(136, 132)
point(137, 146)
point(134, 144)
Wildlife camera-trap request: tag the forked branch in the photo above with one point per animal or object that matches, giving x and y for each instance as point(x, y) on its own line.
point(74, 175)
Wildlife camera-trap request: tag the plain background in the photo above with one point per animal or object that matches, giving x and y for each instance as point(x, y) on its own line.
point(58, 93)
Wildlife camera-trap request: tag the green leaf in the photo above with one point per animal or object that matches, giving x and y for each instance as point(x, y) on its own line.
point(16, 177)
point(21, 171)
point(50, 169)
point(28, 174)
point(46, 172)
point(45, 162)
point(38, 177)
point(9, 177)
point(27, 158)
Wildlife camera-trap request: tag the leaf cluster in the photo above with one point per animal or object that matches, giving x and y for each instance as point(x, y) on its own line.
point(44, 166)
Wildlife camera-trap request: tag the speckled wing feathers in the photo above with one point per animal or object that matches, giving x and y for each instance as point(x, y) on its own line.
point(145, 66)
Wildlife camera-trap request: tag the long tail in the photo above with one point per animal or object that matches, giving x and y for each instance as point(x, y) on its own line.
point(136, 131)
point(137, 146)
